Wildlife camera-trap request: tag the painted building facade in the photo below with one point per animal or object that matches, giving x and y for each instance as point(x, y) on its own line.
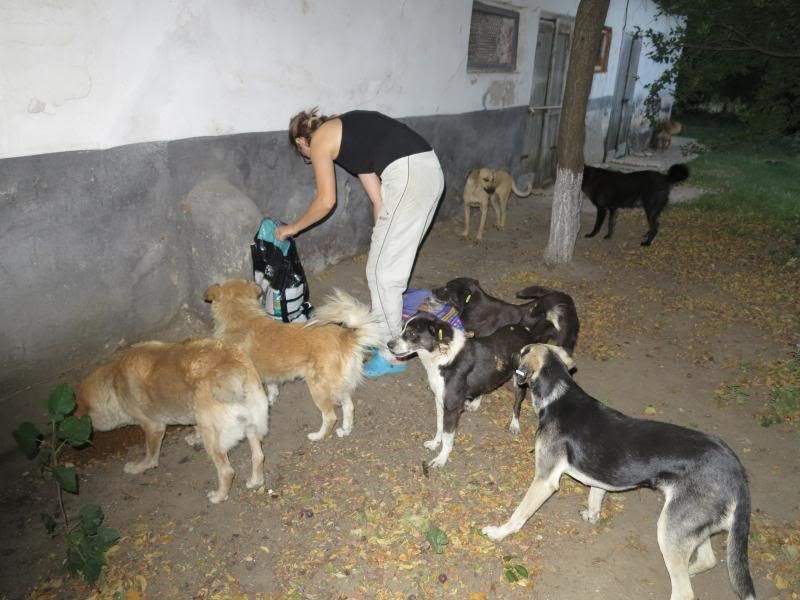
point(140, 141)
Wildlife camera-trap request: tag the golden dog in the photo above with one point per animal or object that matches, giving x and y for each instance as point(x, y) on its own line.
point(485, 185)
point(202, 382)
point(327, 351)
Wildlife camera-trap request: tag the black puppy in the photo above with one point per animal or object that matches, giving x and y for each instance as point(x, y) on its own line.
point(612, 190)
point(552, 314)
point(460, 369)
point(703, 482)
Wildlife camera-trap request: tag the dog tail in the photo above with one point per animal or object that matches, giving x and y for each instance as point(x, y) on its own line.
point(677, 173)
point(342, 309)
point(738, 569)
point(534, 292)
point(521, 193)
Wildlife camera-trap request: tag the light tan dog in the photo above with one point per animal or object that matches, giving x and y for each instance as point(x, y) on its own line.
point(327, 351)
point(485, 185)
point(663, 132)
point(202, 382)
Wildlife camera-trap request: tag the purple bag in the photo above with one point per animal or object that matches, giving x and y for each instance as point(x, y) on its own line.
point(417, 299)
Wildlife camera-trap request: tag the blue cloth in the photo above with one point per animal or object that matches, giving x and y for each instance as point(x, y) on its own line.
point(266, 232)
point(378, 366)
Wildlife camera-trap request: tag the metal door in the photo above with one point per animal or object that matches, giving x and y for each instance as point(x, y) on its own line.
point(544, 112)
point(619, 124)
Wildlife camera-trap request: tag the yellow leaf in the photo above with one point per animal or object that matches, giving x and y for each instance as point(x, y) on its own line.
point(780, 582)
point(650, 410)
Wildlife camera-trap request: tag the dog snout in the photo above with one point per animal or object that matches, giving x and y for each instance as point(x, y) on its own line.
point(520, 377)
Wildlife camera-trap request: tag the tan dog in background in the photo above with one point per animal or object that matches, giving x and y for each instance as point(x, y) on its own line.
point(663, 132)
point(485, 185)
point(327, 352)
point(201, 382)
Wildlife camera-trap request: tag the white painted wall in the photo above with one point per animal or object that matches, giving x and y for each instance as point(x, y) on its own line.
point(92, 74)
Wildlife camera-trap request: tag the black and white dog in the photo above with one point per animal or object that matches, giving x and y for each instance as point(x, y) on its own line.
point(552, 313)
point(460, 369)
point(703, 482)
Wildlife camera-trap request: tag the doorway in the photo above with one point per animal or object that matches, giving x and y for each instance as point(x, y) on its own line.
point(622, 106)
point(553, 45)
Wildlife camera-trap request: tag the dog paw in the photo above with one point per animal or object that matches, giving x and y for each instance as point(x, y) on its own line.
point(513, 427)
point(493, 533)
point(590, 517)
point(254, 483)
point(342, 432)
point(438, 462)
point(472, 405)
point(315, 437)
point(272, 394)
point(194, 439)
point(133, 468)
point(432, 444)
point(216, 496)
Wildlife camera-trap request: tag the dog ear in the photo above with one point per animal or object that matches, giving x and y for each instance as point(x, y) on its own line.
point(531, 360)
point(212, 293)
point(568, 361)
point(441, 331)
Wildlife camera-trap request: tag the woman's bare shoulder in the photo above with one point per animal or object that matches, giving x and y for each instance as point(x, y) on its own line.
point(328, 137)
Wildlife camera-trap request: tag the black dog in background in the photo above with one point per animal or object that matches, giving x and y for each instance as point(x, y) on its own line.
point(612, 190)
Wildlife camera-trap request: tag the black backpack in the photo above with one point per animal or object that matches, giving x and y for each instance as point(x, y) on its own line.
point(279, 273)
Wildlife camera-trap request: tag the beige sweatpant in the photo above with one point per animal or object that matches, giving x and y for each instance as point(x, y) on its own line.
point(411, 188)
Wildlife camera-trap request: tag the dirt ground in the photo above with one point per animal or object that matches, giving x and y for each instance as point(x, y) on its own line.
point(662, 331)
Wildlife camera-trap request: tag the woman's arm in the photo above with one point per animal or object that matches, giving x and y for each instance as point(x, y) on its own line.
point(372, 185)
point(322, 152)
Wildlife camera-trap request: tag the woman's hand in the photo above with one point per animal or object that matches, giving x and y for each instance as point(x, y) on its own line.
point(284, 231)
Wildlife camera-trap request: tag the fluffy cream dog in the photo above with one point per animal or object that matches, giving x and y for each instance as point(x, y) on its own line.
point(663, 132)
point(327, 352)
point(485, 185)
point(202, 382)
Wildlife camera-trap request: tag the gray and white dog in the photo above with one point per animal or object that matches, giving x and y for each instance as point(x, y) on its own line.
point(703, 482)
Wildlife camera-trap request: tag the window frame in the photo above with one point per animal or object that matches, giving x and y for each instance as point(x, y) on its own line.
point(494, 67)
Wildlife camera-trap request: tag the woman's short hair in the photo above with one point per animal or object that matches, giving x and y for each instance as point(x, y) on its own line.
point(304, 124)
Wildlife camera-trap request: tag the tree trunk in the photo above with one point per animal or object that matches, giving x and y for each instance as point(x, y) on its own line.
point(565, 219)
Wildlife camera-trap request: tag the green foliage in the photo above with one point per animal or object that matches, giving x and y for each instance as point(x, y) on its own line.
point(740, 55)
point(513, 572)
point(785, 400)
point(756, 176)
point(437, 538)
point(87, 540)
point(88, 544)
point(28, 439)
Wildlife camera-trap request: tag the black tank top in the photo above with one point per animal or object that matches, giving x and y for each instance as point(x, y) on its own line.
point(371, 140)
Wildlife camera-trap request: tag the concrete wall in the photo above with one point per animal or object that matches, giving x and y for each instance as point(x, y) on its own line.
point(141, 141)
